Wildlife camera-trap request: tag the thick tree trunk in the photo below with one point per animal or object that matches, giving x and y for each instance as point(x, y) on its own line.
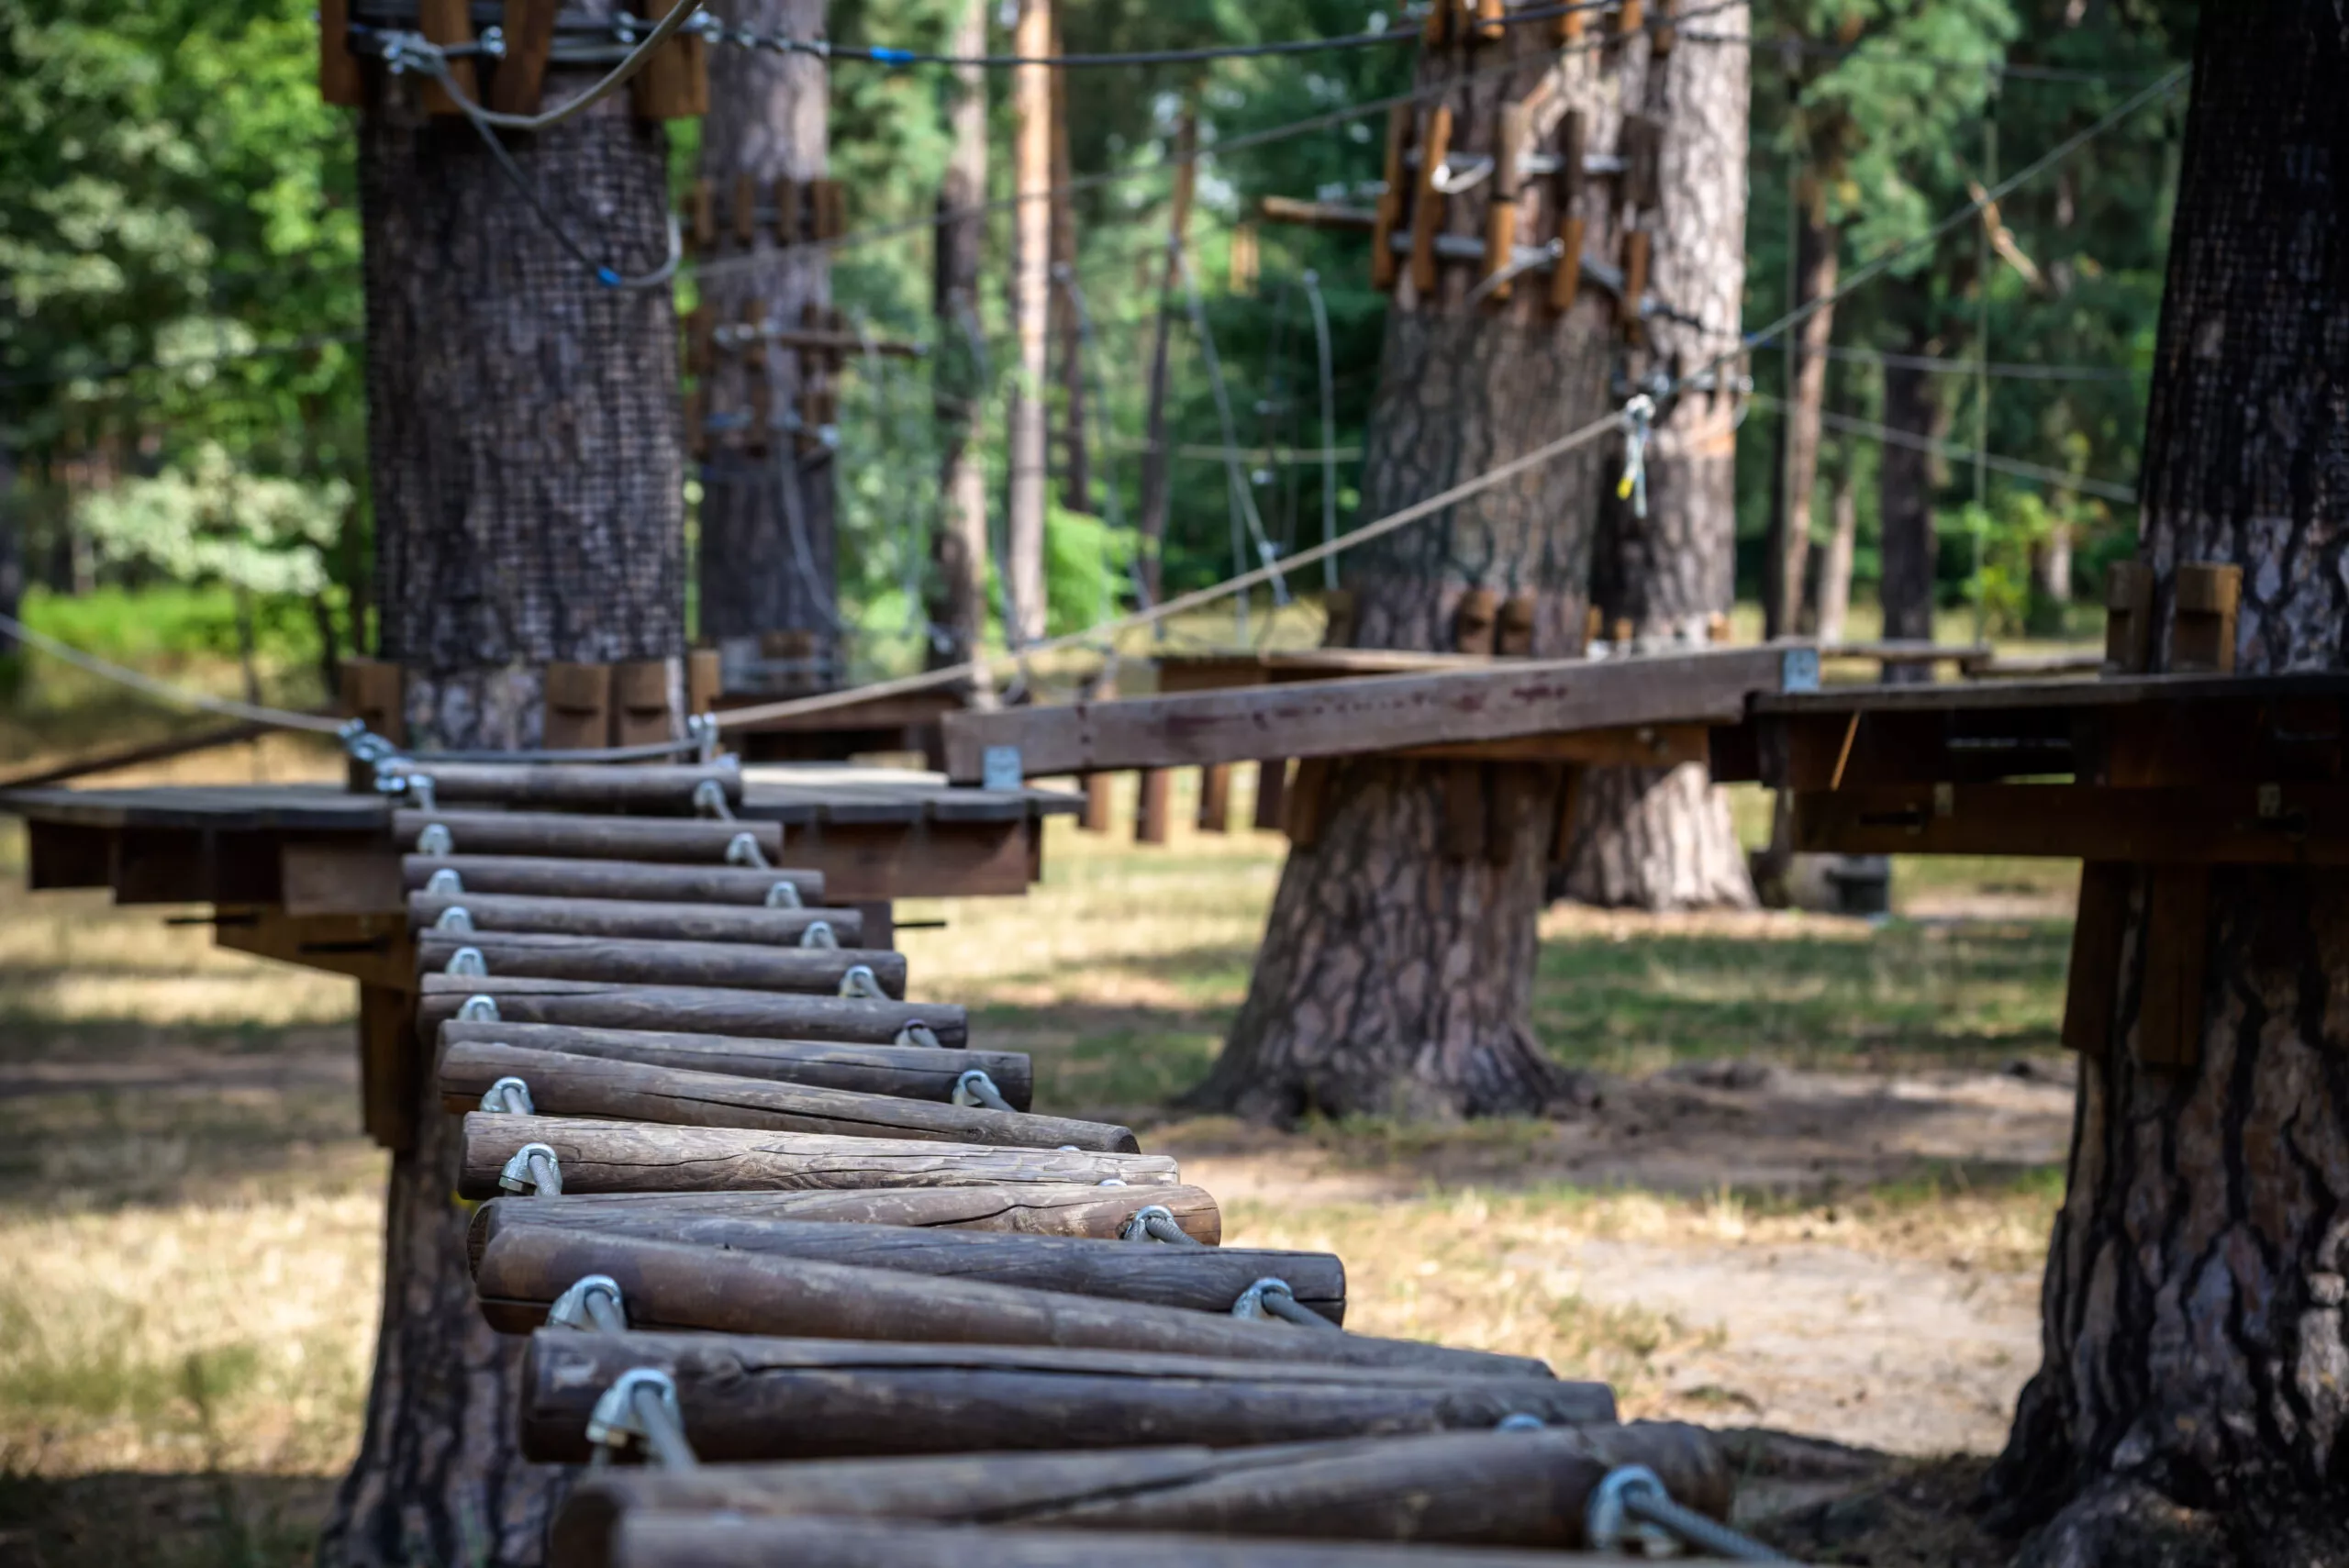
point(1399, 959)
point(958, 604)
point(1662, 838)
point(2195, 1389)
point(1031, 291)
point(1907, 479)
point(769, 548)
point(1816, 262)
point(528, 493)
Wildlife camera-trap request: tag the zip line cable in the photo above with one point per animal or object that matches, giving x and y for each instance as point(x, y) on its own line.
point(1620, 420)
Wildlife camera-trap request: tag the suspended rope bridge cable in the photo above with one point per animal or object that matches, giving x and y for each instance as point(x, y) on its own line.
point(1892, 435)
point(1941, 364)
point(1246, 523)
point(164, 691)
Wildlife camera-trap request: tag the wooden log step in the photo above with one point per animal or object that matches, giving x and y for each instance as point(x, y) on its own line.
point(611, 917)
point(536, 876)
point(1020, 1208)
point(579, 786)
point(727, 966)
point(749, 1399)
point(641, 1157)
point(618, 1005)
point(725, 1540)
point(670, 1284)
point(695, 841)
point(1198, 1279)
point(567, 1086)
point(1524, 1489)
point(907, 1071)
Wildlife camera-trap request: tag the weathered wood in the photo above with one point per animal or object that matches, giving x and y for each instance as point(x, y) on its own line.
point(907, 1072)
point(568, 1085)
point(704, 1541)
point(755, 1015)
point(694, 841)
point(539, 877)
point(631, 918)
point(578, 787)
point(1198, 1279)
point(1528, 1489)
point(749, 1399)
point(1329, 718)
point(667, 1285)
point(2281, 825)
point(720, 965)
point(641, 1157)
point(1019, 1208)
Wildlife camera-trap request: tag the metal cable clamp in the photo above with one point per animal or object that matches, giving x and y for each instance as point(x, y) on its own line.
point(742, 850)
point(509, 1096)
point(1272, 1298)
point(1155, 1222)
point(710, 800)
point(819, 934)
point(976, 1090)
point(784, 896)
point(642, 1406)
point(455, 918)
point(1632, 1509)
point(435, 840)
point(445, 882)
point(913, 1031)
point(860, 985)
point(468, 962)
point(593, 1302)
point(478, 1010)
point(533, 1169)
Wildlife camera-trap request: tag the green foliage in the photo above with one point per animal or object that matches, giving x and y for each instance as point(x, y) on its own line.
point(1085, 570)
point(210, 520)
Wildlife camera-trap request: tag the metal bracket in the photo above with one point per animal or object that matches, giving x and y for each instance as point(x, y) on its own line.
point(468, 962)
point(999, 767)
point(578, 1307)
point(1798, 670)
point(509, 1096)
point(533, 1169)
point(620, 1413)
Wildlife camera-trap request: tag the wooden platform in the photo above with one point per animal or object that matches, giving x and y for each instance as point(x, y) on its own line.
point(316, 849)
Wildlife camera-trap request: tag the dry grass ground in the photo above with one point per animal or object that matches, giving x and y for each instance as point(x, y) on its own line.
point(1816, 1201)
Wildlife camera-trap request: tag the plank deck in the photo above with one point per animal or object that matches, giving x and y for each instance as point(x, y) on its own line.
point(1499, 701)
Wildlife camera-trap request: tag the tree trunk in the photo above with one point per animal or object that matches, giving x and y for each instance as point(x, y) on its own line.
point(1651, 837)
point(769, 544)
point(1907, 479)
point(1835, 566)
point(12, 559)
point(1031, 293)
point(1399, 957)
point(1157, 457)
point(2195, 1386)
point(959, 549)
point(1816, 264)
point(528, 495)
point(1077, 451)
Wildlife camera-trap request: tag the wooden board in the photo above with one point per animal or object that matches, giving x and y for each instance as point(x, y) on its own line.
point(1331, 718)
point(2214, 826)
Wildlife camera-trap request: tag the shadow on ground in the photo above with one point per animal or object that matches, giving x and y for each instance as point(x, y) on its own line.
point(113, 1519)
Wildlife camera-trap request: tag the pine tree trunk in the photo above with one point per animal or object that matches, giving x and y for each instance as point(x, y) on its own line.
point(1842, 543)
point(528, 494)
point(1816, 263)
point(769, 544)
point(1662, 838)
point(12, 558)
point(1031, 288)
point(1397, 961)
point(1906, 480)
point(2195, 1389)
point(958, 605)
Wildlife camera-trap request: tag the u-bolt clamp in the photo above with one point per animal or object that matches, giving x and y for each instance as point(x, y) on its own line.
point(533, 1169)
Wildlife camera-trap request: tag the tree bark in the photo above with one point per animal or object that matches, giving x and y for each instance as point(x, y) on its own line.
point(1816, 262)
point(958, 553)
point(2195, 1386)
point(1157, 457)
point(1397, 961)
point(769, 545)
point(1907, 479)
point(1652, 838)
point(1835, 566)
point(1032, 294)
point(12, 559)
point(528, 494)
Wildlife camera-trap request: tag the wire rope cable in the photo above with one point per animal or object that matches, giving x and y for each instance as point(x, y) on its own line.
point(1312, 282)
point(163, 691)
point(1246, 525)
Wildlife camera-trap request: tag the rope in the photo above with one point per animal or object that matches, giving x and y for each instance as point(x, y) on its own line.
point(163, 691)
point(480, 113)
point(1892, 435)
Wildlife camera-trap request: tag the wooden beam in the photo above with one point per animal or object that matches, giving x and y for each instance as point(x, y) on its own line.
point(1335, 719)
point(515, 83)
point(2177, 951)
point(448, 22)
point(389, 1063)
point(2219, 825)
point(2093, 981)
point(1153, 806)
point(1215, 799)
point(757, 1015)
point(373, 949)
point(339, 83)
point(1427, 201)
point(1644, 745)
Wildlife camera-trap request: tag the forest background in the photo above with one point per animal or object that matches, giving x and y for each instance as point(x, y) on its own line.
point(182, 429)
